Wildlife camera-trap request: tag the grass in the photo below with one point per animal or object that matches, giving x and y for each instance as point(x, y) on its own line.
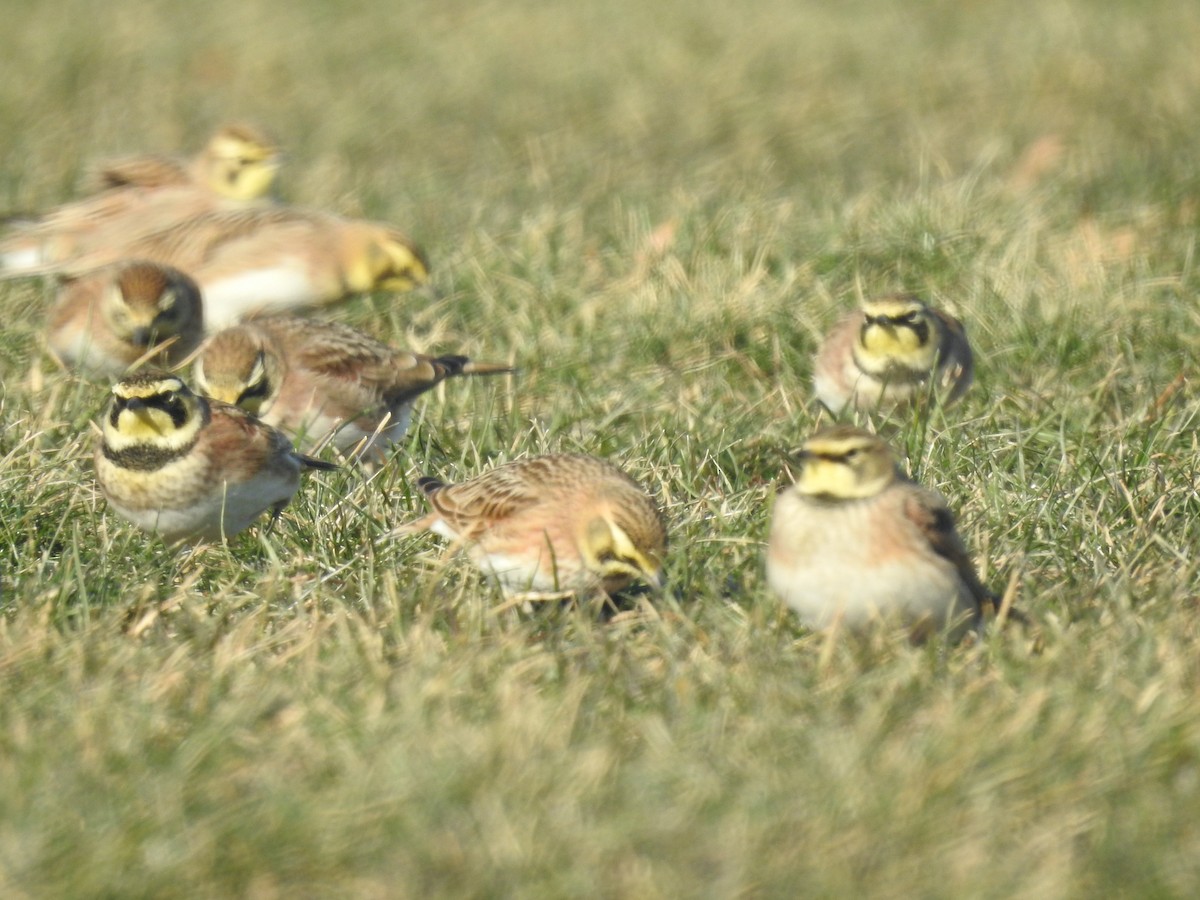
point(655, 211)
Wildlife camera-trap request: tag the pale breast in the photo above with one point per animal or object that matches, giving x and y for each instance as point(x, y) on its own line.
point(197, 496)
point(358, 422)
point(522, 558)
point(846, 562)
point(242, 503)
point(82, 346)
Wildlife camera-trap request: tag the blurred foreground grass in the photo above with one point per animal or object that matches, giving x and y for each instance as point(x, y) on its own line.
point(653, 210)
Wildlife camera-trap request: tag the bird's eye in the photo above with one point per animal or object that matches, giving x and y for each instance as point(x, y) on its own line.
point(259, 389)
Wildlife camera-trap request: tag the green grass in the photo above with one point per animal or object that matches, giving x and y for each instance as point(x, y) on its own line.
point(654, 210)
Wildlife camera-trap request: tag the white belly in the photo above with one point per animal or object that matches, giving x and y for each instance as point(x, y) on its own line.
point(228, 298)
point(856, 595)
point(82, 351)
point(350, 438)
point(21, 259)
point(216, 514)
point(353, 439)
point(519, 574)
point(840, 566)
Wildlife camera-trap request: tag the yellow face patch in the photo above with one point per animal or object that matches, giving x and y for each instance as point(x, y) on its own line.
point(226, 390)
point(845, 470)
point(613, 556)
point(892, 342)
point(160, 413)
point(144, 424)
point(252, 180)
point(403, 269)
point(398, 283)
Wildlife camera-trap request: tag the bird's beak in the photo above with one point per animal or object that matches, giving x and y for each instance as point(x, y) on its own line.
point(138, 407)
point(657, 578)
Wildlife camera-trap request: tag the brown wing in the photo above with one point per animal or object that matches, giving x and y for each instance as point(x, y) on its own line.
point(957, 362)
point(137, 171)
point(82, 215)
point(356, 370)
point(193, 242)
point(328, 348)
point(245, 445)
point(487, 499)
point(929, 513)
point(363, 364)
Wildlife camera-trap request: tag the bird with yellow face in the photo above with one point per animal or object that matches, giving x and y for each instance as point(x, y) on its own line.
point(552, 525)
point(895, 351)
point(239, 162)
point(107, 321)
point(319, 379)
point(854, 543)
point(138, 196)
point(262, 260)
point(188, 468)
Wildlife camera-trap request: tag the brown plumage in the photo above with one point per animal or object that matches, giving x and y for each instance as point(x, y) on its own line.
point(238, 162)
point(141, 196)
point(269, 259)
point(888, 354)
point(189, 468)
point(105, 322)
point(552, 524)
point(854, 542)
point(314, 378)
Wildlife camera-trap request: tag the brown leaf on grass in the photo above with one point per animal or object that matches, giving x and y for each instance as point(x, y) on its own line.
point(1037, 161)
point(662, 238)
point(1091, 247)
point(1164, 398)
point(657, 243)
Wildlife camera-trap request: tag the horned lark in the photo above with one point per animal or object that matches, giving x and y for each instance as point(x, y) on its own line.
point(313, 379)
point(239, 162)
point(105, 322)
point(854, 541)
point(551, 525)
point(888, 354)
point(144, 195)
point(264, 259)
point(189, 468)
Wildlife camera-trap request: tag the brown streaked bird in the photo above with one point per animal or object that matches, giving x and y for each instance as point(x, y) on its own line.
point(272, 259)
point(143, 195)
point(188, 468)
point(889, 353)
point(239, 162)
point(854, 542)
point(552, 525)
point(105, 322)
point(314, 379)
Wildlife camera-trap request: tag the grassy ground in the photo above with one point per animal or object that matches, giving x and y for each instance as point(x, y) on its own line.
point(654, 210)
